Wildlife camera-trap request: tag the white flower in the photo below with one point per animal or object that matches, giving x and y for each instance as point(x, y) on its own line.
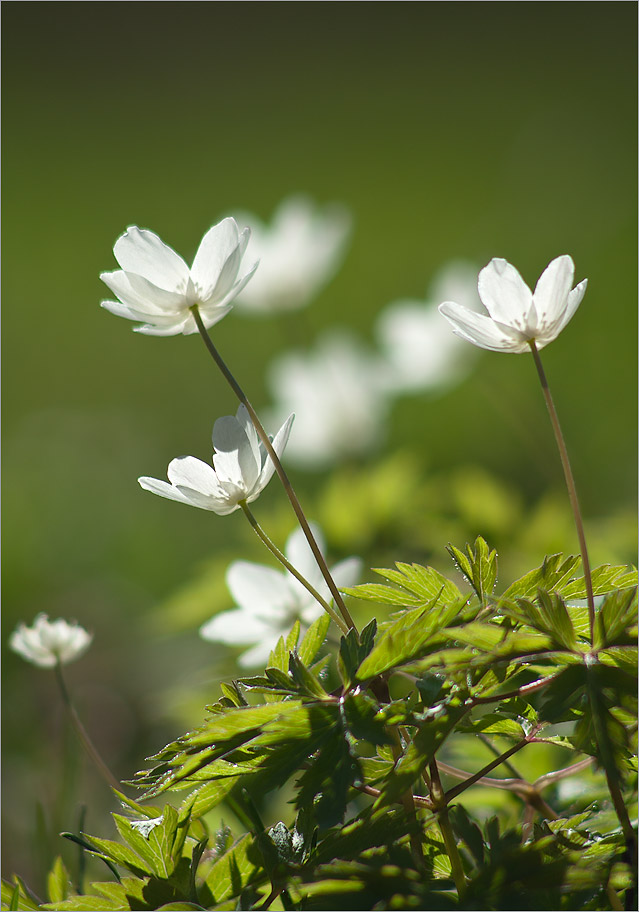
point(156, 286)
point(269, 601)
point(419, 348)
point(298, 252)
point(241, 467)
point(48, 642)
point(337, 394)
point(517, 316)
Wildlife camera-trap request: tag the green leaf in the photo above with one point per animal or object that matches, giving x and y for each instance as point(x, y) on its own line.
point(404, 639)
point(313, 639)
point(478, 565)
point(16, 896)
point(306, 681)
point(362, 720)
point(553, 573)
point(58, 881)
point(413, 586)
point(85, 903)
point(232, 873)
point(353, 650)
point(604, 580)
point(616, 619)
point(153, 844)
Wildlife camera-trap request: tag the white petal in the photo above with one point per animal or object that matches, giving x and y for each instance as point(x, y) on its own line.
point(298, 551)
point(189, 472)
point(144, 253)
point(234, 460)
point(574, 300)
point(158, 329)
point(210, 316)
point(504, 294)
point(260, 590)
point(142, 295)
point(279, 443)
point(232, 627)
point(218, 245)
point(481, 330)
point(259, 654)
point(244, 420)
point(163, 489)
point(347, 572)
point(551, 291)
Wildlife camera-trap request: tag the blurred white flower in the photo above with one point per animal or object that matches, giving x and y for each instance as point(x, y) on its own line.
point(48, 642)
point(156, 286)
point(269, 601)
point(298, 252)
point(338, 395)
point(516, 315)
point(241, 468)
point(419, 349)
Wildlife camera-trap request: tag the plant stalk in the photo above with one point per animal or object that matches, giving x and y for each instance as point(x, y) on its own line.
point(440, 802)
point(290, 493)
point(272, 547)
point(570, 484)
point(87, 743)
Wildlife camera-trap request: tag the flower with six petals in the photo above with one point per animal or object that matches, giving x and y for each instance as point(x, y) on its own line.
point(156, 287)
point(48, 642)
point(241, 467)
point(269, 601)
point(518, 317)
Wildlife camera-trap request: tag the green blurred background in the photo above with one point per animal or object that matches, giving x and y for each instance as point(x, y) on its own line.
point(450, 130)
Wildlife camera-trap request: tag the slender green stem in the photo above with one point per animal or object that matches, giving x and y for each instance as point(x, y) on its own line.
point(440, 802)
point(88, 745)
point(409, 806)
point(272, 547)
point(292, 496)
point(454, 792)
point(570, 484)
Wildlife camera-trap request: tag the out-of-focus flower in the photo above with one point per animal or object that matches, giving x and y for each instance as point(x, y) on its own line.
point(270, 601)
point(419, 349)
point(338, 395)
point(241, 467)
point(48, 642)
point(298, 252)
point(516, 315)
point(156, 286)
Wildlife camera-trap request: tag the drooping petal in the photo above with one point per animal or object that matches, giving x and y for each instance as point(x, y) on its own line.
point(144, 253)
point(218, 245)
point(481, 330)
point(163, 489)
point(504, 294)
point(189, 472)
point(551, 291)
point(260, 591)
point(279, 443)
point(234, 458)
point(234, 627)
point(142, 295)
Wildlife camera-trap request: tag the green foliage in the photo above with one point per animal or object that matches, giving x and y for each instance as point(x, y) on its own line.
point(369, 735)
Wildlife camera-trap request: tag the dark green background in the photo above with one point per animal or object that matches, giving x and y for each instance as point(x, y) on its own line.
point(449, 129)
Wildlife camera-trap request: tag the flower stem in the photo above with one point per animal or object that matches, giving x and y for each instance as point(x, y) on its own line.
point(290, 493)
point(272, 547)
point(570, 484)
point(87, 743)
point(441, 806)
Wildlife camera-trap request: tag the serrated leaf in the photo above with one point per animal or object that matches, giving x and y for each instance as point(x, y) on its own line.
point(478, 565)
point(306, 681)
point(604, 580)
point(313, 639)
point(361, 718)
point(554, 573)
point(617, 615)
point(413, 585)
point(233, 872)
point(153, 845)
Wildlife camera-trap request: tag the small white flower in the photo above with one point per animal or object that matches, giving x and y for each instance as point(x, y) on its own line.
point(48, 642)
point(338, 395)
point(156, 286)
point(298, 252)
point(516, 315)
point(419, 348)
point(269, 601)
point(241, 467)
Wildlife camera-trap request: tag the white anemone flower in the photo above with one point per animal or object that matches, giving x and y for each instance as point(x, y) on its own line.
point(240, 472)
point(516, 315)
point(338, 394)
point(156, 287)
point(48, 643)
point(299, 252)
point(420, 350)
point(269, 601)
